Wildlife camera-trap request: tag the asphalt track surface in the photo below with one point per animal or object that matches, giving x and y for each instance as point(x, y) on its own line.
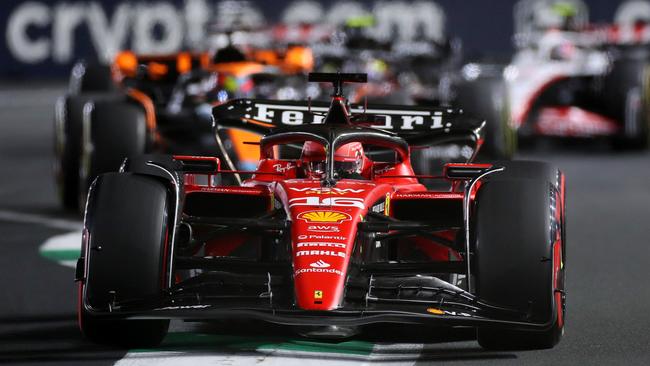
point(608, 264)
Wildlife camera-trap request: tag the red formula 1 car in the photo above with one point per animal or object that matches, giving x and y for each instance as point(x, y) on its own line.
point(339, 236)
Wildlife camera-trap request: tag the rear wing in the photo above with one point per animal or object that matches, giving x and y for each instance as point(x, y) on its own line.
point(414, 124)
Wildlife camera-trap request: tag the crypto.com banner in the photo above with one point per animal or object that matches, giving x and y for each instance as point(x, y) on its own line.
point(44, 38)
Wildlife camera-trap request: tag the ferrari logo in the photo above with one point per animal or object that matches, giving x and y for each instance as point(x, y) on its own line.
point(318, 294)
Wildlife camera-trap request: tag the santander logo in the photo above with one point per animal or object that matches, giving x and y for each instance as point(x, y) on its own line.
point(320, 264)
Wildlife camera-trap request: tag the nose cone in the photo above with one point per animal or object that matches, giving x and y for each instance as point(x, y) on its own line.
point(324, 228)
point(322, 244)
point(319, 284)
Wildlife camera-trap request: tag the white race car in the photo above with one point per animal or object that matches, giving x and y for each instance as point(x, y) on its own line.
point(570, 78)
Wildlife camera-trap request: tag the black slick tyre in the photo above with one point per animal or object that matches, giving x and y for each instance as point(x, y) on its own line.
point(68, 136)
point(518, 258)
point(113, 130)
point(486, 98)
point(126, 224)
point(67, 148)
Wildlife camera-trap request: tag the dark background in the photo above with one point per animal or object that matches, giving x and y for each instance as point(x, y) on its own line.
point(485, 26)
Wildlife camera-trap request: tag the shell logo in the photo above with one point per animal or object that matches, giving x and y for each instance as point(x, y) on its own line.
point(324, 216)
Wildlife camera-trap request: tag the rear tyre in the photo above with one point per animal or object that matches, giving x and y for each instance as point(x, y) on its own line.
point(127, 226)
point(113, 130)
point(487, 99)
point(518, 258)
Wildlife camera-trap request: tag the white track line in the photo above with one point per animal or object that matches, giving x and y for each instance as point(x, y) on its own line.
point(25, 218)
point(193, 358)
point(394, 355)
point(64, 248)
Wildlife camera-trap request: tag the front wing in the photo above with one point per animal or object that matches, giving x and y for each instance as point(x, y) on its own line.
point(437, 306)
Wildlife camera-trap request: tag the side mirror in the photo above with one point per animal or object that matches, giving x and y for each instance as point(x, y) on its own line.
point(460, 171)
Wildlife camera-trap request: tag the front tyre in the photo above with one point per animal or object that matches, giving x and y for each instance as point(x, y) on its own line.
point(113, 130)
point(126, 228)
point(627, 98)
point(67, 148)
point(636, 133)
point(519, 256)
point(487, 99)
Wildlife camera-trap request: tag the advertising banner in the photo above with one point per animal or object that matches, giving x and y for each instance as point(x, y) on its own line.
point(43, 38)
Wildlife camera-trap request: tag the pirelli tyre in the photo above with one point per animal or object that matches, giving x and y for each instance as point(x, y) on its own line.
point(126, 227)
point(91, 78)
point(68, 117)
point(487, 98)
point(113, 130)
point(88, 82)
point(518, 257)
point(627, 97)
point(68, 128)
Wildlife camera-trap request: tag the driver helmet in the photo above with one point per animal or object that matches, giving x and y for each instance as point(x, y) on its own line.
point(348, 160)
point(557, 14)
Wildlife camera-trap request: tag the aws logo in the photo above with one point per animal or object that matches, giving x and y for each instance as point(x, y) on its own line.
point(324, 217)
point(324, 228)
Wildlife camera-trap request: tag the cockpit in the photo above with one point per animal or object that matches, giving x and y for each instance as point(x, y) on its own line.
point(334, 153)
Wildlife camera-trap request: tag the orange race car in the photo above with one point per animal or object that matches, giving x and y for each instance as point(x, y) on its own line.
point(160, 103)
